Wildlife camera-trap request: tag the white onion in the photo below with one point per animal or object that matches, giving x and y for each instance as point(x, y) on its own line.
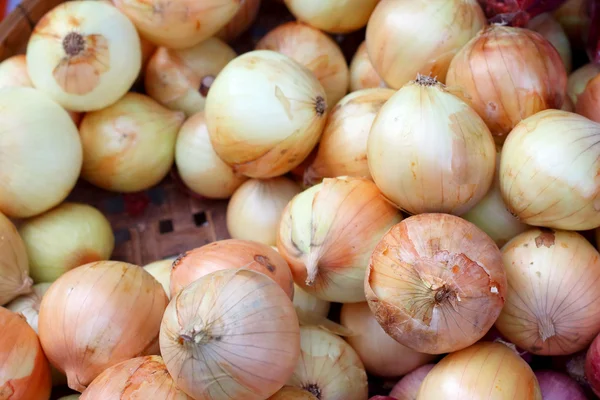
point(13, 72)
point(161, 271)
point(362, 72)
point(28, 305)
point(336, 16)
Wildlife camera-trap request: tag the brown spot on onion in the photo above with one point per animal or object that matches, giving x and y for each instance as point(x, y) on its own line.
point(545, 238)
point(264, 260)
point(314, 389)
point(320, 106)
point(205, 84)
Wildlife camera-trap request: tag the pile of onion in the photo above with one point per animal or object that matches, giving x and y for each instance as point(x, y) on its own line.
point(14, 265)
point(436, 283)
point(578, 80)
point(362, 72)
point(335, 16)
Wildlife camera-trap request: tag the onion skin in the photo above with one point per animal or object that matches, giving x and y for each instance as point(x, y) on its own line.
point(28, 305)
point(241, 21)
point(238, 323)
point(579, 80)
point(362, 72)
point(14, 265)
point(395, 35)
point(316, 51)
point(334, 16)
point(551, 305)
point(484, 370)
point(557, 386)
point(13, 72)
point(380, 354)
point(161, 271)
point(342, 150)
point(292, 393)
point(508, 74)
point(588, 103)
point(230, 254)
point(429, 273)
point(106, 293)
point(573, 17)
point(306, 303)
point(25, 369)
point(563, 194)
point(408, 387)
point(551, 30)
point(592, 365)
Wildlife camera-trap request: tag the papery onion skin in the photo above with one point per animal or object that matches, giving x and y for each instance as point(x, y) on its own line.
point(342, 149)
point(139, 378)
point(129, 146)
point(292, 393)
point(508, 74)
point(408, 387)
point(551, 304)
point(328, 232)
point(334, 16)
point(265, 112)
point(84, 54)
point(484, 370)
point(14, 265)
point(180, 79)
point(13, 72)
point(549, 28)
point(557, 386)
point(316, 51)
point(25, 370)
point(380, 354)
point(180, 24)
point(230, 254)
point(28, 305)
point(579, 79)
point(41, 153)
point(362, 72)
point(199, 167)
point(428, 151)
point(237, 324)
point(161, 271)
point(64, 238)
point(98, 315)
point(564, 193)
point(436, 283)
point(241, 21)
point(255, 209)
point(395, 35)
point(588, 103)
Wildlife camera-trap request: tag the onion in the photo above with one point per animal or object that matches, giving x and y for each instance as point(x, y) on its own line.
point(199, 167)
point(508, 74)
point(335, 16)
point(98, 315)
point(24, 368)
point(551, 305)
point(230, 254)
point(161, 271)
point(265, 113)
point(84, 54)
point(14, 266)
point(588, 103)
point(129, 146)
point(307, 304)
point(178, 24)
point(254, 211)
point(138, 378)
point(70, 397)
point(327, 234)
point(482, 371)
point(408, 387)
point(428, 151)
point(592, 366)
point(28, 305)
point(381, 355)
point(235, 327)
point(292, 393)
point(579, 79)
point(560, 194)
point(552, 31)
point(316, 51)
point(395, 35)
point(557, 386)
point(328, 367)
point(180, 79)
point(64, 238)
point(362, 72)
point(13, 72)
point(436, 283)
point(342, 150)
point(241, 21)
point(41, 153)
point(573, 17)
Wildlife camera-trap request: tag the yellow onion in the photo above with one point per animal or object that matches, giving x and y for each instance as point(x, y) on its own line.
point(400, 48)
point(306, 303)
point(84, 54)
point(327, 234)
point(161, 271)
point(292, 393)
point(180, 79)
point(234, 327)
point(316, 51)
point(265, 113)
point(328, 367)
point(548, 171)
point(28, 304)
point(255, 209)
point(230, 254)
point(24, 369)
point(508, 74)
point(436, 283)
point(98, 315)
point(199, 167)
point(14, 266)
point(362, 72)
point(64, 238)
point(342, 150)
point(13, 72)
point(428, 151)
point(381, 355)
point(552, 31)
point(553, 281)
point(178, 24)
point(483, 371)
point(335, 16)
point(41, 153)
point(573, 16)
point(579, 79)
point(241, 21)
point(588, 103)
point(139, 378)
point(129, 146)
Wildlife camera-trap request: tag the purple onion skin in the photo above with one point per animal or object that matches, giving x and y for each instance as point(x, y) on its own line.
point(557, 386)
point(382, 398)
point(408, 386)
point(517, 12)
point(593, 34)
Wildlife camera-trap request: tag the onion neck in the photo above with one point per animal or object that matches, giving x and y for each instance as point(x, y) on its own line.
point(73, 382)
point(197, 337)
point(546, 328)
point(312, 268)
point(314, 389)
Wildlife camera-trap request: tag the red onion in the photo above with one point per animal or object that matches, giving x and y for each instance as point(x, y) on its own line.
point(407, 388)
point(592, 365)
point(517, 12)
point(557, 386)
